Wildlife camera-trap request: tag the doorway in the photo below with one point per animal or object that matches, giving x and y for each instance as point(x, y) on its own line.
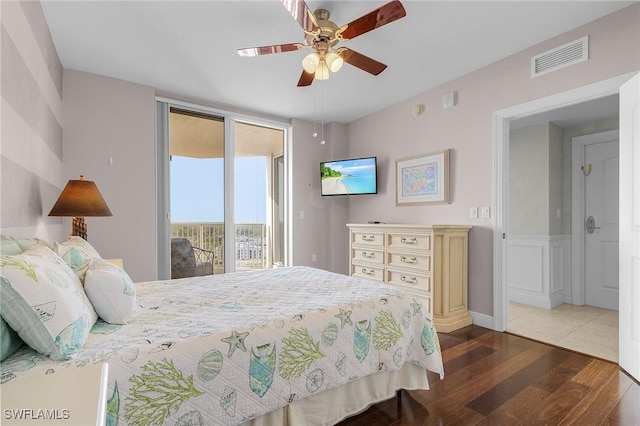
point(545, 170)
point(501, 156)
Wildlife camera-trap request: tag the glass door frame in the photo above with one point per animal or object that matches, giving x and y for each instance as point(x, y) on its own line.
point(163, 207)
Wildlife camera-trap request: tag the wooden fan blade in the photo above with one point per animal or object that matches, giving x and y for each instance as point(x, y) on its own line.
point(361, 61)
point(384, 15)
point(305, 79)
point(266, 50)
point(301, 13)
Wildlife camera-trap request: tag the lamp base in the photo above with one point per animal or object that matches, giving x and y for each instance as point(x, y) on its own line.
point(78, 227)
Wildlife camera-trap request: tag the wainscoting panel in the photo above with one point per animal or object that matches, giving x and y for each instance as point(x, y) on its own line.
point(538, 270)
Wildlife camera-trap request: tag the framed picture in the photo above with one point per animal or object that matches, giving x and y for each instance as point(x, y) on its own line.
point(423, 179)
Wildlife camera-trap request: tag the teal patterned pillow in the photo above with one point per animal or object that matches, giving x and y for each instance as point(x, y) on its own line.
point(12, 245)
point(9, 340)
point(8, 245)
point(77, 252)
point(44, 302)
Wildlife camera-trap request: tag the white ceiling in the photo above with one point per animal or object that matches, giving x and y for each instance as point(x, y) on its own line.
point(188, 48)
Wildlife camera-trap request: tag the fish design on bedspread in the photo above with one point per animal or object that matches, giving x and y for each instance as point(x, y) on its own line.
point(261, 368)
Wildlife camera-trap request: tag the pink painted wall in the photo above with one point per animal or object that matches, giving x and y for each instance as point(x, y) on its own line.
point(467, 129)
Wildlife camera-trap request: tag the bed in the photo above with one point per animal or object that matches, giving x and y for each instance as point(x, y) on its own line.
point(293, 345)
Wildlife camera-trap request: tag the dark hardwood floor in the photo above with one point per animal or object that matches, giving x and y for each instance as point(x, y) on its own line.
point(494, 378)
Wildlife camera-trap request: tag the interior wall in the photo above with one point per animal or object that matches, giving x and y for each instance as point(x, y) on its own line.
point(467, 129)
point(556, 194)
point(319, 223)
point(109, 137)
point(31, 154)
point(529, 180)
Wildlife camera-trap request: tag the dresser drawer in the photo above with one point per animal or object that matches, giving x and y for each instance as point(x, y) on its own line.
point(367, 255)
point(367, 238)
point(422, 242)
point(417, 282)
point(410, 260)
point(370, 272)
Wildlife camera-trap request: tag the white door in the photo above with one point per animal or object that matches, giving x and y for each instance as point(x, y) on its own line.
point(601, 222)
point(629, 329)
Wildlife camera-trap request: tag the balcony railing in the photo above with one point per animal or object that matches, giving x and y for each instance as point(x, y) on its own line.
point(250, 239)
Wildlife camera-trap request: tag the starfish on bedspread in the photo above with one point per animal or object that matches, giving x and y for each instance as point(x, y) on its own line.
point(345, 318)
point(417, 307)
point(236, 341)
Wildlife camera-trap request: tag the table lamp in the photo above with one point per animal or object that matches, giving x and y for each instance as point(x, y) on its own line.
point(78, 199)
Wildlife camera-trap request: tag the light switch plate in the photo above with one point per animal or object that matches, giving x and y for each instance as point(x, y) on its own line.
point(473, 212)
point(486, 212)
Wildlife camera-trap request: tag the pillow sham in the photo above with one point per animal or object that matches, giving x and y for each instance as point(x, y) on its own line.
point(44, 302)
point(9, 340)
point(77, 252)
point(110, 291)
point(10, 245)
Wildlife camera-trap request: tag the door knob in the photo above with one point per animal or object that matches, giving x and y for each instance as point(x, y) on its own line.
point(590, 225)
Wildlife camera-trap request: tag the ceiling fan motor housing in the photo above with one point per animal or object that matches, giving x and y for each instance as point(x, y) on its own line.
point(327, 30)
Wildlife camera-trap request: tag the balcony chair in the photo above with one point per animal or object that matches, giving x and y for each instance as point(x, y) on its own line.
point(189, 261)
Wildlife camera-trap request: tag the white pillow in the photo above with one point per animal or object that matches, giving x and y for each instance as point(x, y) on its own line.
point(111, 291)
point(77, 252)
point(44, 302)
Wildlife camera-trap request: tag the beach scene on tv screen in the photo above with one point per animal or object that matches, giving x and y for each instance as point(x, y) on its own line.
point(356, 176)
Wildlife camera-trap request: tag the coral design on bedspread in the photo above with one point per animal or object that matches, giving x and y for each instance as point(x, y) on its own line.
point(227, 348)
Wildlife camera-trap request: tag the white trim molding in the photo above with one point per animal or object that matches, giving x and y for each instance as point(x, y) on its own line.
point(538, 273)
point(482, 320)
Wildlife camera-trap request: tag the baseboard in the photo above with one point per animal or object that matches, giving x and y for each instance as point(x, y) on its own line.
point(482, 320)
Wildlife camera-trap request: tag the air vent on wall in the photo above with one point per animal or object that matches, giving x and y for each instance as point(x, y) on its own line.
point(560, 57)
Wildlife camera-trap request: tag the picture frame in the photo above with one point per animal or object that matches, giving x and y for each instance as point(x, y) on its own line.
point(423, 179)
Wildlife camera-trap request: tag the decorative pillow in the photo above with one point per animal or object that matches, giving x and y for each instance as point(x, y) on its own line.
point(77, 252)
point(9, 340)
point(44, 302)
point(111, 291)
point(10, 245)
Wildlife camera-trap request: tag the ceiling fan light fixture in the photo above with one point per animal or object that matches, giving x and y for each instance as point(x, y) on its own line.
point(311, 62)
point(322, 73)
point(334, 61)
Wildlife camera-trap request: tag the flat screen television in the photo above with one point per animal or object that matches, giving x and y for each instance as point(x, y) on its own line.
point(354, 176)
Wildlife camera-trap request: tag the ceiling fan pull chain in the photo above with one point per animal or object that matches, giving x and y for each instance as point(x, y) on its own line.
point(315, 110)
point(322, 141)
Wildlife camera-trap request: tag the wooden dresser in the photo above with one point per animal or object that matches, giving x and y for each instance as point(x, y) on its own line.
point(429, 261)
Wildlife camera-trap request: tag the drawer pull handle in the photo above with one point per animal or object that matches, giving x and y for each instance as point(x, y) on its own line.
point(368, 271)
point(368, 238)
point(368, 255)
point(405, 259)
point(410, 280)
point(413, 240)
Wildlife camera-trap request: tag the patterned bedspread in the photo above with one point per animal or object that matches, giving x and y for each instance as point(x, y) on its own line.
point(227, 348)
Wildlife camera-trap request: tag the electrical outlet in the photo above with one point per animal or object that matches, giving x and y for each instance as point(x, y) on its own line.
point(486, 212)
point(473, 212)
point(301, 214)
point(314, 258)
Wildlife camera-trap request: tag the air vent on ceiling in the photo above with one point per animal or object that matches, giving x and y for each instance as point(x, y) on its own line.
point(560, 57)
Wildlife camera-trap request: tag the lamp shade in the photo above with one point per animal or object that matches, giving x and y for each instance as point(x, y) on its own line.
point(322, 73)
point(334, 61)
point(80, 198)
point(310, 62)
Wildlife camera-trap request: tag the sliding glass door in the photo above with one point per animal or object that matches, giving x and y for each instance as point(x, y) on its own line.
point(196, 148)
point(223, 187)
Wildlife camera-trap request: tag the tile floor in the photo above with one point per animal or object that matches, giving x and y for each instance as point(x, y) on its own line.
point(586, 329)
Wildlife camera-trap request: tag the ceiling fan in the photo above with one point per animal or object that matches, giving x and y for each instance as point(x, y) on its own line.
point(323, 35)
